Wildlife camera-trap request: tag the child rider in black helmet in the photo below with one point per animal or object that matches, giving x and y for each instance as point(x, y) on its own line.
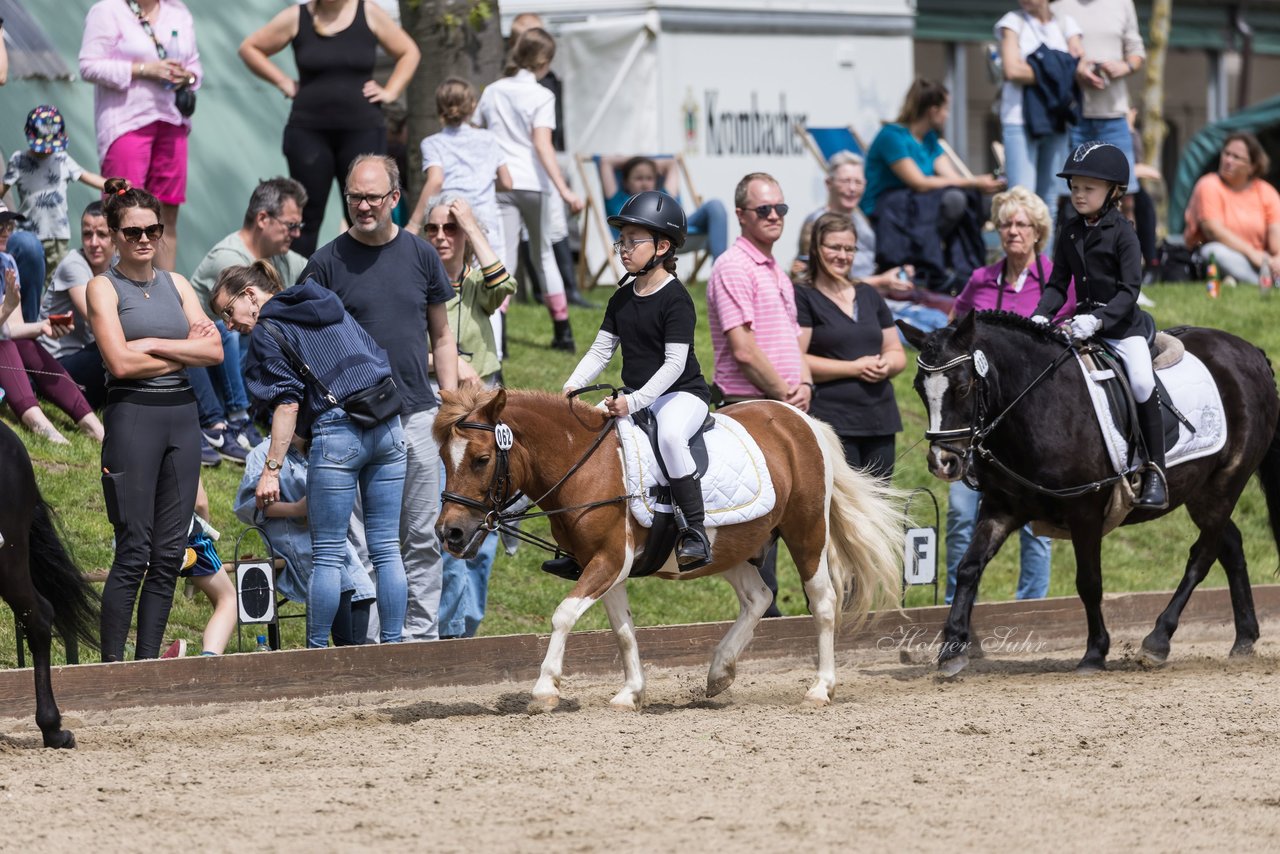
point(1099, 249)
point(652, 317)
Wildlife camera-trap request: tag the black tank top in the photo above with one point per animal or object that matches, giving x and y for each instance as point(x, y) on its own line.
point(332, 71)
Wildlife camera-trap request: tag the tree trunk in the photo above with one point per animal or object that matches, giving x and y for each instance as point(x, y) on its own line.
point(1154, 128)
point(458, 38)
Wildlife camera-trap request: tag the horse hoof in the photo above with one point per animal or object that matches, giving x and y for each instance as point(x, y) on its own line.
point(63, 739)
point(1242, 649)
point(718, 684)
point(952, 666)
point(1088, 667)
point(1152, 658)
point(817, 699)
point(541, 705)
point(626, 703)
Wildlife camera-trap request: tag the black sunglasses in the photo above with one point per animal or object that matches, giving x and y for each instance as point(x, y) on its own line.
point(133, 233)
point(763, 211)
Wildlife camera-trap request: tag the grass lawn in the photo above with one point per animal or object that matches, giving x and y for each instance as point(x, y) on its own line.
point(1149, 557)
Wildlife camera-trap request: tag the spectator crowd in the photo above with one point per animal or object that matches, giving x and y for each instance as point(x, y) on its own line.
point(317, 366)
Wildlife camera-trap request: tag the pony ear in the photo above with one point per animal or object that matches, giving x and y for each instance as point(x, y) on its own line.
point(493, 409)
point(915, 337)
point(965, 328)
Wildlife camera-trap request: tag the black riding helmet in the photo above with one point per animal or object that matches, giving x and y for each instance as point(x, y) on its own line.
point(1100, 160)
point(655, 211)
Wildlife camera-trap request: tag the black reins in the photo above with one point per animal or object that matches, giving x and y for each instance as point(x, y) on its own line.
point(499, 497)
point(977, 432)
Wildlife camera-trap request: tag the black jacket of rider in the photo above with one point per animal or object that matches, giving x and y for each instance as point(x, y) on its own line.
point(1105, 261)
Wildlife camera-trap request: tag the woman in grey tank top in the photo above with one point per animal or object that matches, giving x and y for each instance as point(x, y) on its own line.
point(149, 328)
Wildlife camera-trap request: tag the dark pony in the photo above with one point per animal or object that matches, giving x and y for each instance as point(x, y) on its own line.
point(1027, 434)
point(39, 580)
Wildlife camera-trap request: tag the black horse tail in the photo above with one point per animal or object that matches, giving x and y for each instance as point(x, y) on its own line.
point(1269, 476)
point(57, 578)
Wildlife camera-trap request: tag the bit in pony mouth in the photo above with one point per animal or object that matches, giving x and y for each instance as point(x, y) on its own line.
point(1001, 639)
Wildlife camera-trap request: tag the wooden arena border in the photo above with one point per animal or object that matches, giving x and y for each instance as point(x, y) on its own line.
point(1039, 625)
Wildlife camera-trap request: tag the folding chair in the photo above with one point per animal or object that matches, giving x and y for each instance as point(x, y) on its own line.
point(595, 224)
point(822, 143)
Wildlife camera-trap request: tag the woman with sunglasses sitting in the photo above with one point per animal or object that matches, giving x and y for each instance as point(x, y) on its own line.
point(149, 327)
point(652, 317)
point(307, 327)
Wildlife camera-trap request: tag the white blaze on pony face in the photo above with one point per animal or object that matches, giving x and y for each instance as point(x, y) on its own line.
point(935, 389)
point(457, 450)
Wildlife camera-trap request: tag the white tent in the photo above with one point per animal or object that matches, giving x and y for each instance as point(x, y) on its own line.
point(724, 82)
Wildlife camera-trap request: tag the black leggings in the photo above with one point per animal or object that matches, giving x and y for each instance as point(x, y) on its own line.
point(872, 454)
point(318, 158)
point(150, 468)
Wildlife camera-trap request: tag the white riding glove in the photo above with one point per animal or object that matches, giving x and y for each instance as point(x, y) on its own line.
point(1040, 320)
point(1084, 326)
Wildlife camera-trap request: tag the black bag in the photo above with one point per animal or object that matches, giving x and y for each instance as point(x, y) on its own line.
point(366, 408)
point(1179, 264)
point(185, 100)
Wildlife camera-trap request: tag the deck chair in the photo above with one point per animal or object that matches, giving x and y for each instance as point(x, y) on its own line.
point(824, 142)
point(598, 237)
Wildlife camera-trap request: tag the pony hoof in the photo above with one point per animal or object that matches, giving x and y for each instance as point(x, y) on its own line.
point(817, 699)
point(718, 684)
point(952, 666)
point(63, 739)
point(1242, 649)
point(626, 703)
point(1088, 667)
point(1151, 658)
point(541, 705)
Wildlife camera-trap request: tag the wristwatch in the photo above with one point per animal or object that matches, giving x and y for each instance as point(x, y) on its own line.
point(273, 465)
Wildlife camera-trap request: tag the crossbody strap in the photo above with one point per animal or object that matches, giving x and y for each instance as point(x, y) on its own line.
point(146, 28)
point(299, 364)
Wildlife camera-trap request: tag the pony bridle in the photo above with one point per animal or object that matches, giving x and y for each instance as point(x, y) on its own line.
point(980, 369)
point(498, 496)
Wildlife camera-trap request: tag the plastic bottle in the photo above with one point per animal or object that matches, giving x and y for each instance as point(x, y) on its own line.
point(1266, 284)
point(171, 51)
point(1214, 286)
point(262, 644)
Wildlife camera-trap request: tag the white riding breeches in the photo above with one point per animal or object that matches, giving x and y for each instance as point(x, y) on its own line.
point(1136, 355)
point(680, 416)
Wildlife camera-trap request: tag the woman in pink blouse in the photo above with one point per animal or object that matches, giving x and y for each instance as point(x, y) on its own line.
point(141, 134)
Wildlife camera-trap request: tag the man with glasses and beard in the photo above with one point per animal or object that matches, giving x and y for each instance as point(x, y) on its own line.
point(751, 306)
point(395, 286)
point(271, 222)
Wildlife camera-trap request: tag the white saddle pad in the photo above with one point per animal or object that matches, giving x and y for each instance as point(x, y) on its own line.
point(1193, 392)
point(736, 487)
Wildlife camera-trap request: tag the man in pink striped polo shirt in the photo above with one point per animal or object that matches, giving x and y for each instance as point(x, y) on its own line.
point(751, 306)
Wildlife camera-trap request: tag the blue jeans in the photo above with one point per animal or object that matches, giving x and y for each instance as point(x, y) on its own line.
point(962, 512)
point(711, 220)
point(220, 388)
point(1035, 163)
point(345, 458)
point(28, 252)
point(1114, 131)
point(464, 590)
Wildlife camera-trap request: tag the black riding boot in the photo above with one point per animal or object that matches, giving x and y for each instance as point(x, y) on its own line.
point(693, 549)
point(563, 337)
point(1155, 495)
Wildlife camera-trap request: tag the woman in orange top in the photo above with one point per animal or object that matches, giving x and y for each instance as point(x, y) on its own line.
point(1234, 215)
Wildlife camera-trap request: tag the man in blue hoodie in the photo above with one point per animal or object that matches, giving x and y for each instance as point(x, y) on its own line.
point(394, 285)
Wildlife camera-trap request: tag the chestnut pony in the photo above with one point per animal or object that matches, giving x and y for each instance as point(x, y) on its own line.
point(843, 528)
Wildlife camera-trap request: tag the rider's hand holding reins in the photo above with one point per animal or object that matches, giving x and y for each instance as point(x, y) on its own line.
point(1084, 326)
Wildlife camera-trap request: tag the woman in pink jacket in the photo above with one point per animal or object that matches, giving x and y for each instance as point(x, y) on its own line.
point(141, 57)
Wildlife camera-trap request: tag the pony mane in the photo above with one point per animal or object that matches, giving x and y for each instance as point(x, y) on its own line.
point(1009, 320)
point(472, 396)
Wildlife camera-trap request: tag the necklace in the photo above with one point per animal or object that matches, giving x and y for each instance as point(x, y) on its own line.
point(145, 287)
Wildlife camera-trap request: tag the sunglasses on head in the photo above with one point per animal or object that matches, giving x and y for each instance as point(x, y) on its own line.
point(449, 228)
point(763, 211)
point(133, 233)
